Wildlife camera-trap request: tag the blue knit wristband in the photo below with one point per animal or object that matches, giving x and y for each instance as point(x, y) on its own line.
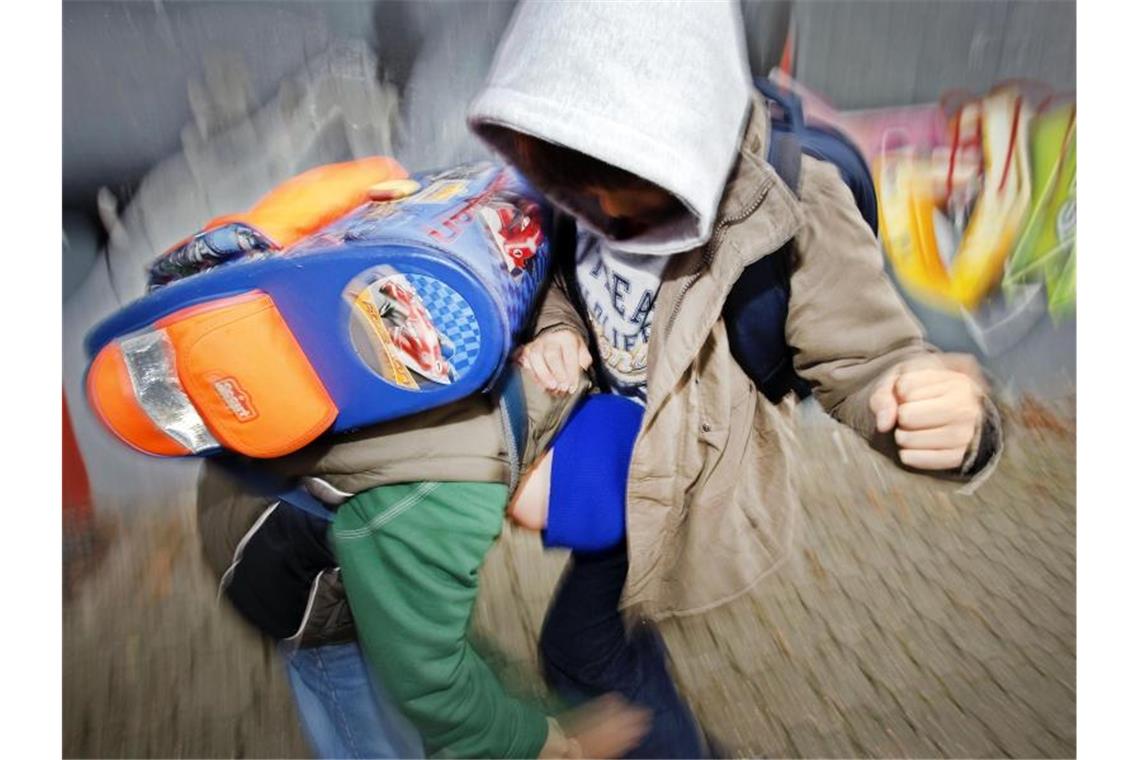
point(588, 475)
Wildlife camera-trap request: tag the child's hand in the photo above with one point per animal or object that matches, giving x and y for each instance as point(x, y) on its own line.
point(555, 358)
point(608, 726)
point(934, 405)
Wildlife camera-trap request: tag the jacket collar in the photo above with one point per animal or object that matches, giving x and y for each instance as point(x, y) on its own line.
point(757, 207)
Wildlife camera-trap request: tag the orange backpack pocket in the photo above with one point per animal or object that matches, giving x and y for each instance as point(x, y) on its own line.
point(247, 375)
point(225, 373)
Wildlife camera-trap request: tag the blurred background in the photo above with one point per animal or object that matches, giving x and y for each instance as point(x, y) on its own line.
point(912, 622)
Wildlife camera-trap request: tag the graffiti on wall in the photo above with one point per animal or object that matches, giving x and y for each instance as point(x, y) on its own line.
point(977, 202)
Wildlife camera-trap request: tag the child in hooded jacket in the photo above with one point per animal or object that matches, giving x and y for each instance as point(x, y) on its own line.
point(641, 122)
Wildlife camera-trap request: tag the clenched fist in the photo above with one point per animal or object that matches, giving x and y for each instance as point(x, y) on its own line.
point(935, 406)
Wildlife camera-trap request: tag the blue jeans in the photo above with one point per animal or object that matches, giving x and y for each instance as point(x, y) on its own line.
point(587, 651)
point(345, 712)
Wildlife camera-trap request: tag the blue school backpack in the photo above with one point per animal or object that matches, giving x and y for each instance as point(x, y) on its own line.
point(249, 345)
point(757, 306)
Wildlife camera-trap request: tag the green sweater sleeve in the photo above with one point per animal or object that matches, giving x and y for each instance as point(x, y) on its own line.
point(410, 556)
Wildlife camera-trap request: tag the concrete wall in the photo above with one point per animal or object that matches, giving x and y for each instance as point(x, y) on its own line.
point(136, 75)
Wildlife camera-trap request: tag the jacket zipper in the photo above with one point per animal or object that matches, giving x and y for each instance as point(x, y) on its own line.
point(711, 249)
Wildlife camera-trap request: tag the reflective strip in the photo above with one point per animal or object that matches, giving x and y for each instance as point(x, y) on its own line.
point(150, 363)
point(239, 552)
point(324, 491)
point(308, 607)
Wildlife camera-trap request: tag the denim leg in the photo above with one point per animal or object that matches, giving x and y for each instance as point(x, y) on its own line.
point(587, 651)
point(345, 712)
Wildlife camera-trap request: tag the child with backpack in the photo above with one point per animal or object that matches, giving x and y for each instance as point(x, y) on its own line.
point(642, 123)
point(418, 503)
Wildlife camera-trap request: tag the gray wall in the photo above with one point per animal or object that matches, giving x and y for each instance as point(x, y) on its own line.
point(131, 70)
point(128, 67)
point(893, 52)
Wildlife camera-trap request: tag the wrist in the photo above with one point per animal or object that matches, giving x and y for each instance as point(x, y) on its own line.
point(986, 443)
point(554, 327)
point(558, 744)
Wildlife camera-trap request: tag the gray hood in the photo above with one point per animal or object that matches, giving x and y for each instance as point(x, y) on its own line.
point(660, 89)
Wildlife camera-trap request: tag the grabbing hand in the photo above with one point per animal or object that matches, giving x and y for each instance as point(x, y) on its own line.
point(934, 405)
point(608, 726)
point(555, 358)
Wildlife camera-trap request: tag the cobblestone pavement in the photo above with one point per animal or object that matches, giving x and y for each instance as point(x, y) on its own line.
point(910, 621)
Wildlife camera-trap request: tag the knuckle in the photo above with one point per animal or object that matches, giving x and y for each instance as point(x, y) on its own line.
point(965, 434)
point(906, 414)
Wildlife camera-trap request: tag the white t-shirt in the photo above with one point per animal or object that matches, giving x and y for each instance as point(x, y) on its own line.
point(619, 291)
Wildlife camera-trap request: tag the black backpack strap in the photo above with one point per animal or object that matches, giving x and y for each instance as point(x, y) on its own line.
point(566, 270)
point(566, 258)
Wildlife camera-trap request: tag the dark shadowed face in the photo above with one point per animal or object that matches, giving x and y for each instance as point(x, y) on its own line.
point(631, 211)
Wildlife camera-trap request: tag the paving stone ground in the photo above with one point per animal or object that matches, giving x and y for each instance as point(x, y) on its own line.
point(910, 622)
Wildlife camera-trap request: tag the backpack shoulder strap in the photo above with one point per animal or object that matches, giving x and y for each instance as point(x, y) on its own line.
point(566, 256)
point(785, 154)
point(512, 409)
point(757, 305)
point(261, 481)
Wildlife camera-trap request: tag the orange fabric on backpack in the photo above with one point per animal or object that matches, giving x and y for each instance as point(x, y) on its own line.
point(111, 394)
point(300, 206)
point(247, 376)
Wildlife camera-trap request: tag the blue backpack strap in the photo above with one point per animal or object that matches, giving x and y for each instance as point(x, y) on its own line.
point(785, 154)
point(825, 143)
point(512, 405)
point(265, 483)
point(792, 117)
point(301, 499)
point(785, 149)
point(757, 306)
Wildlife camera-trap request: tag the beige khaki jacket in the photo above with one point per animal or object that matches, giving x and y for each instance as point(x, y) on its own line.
point(710, 499)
